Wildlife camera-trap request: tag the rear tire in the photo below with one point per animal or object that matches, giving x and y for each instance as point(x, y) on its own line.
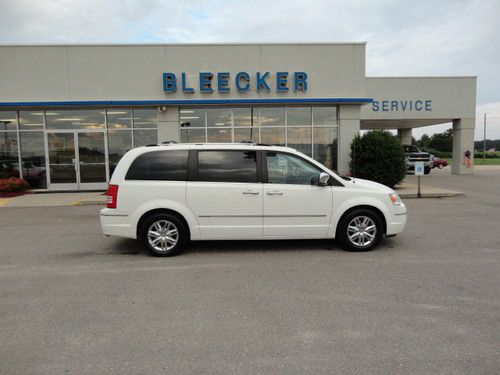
point(427, 170)
point(163, 234)
point(360, 230)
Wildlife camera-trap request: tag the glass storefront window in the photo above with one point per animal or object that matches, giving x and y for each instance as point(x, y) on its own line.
point(31, 120)
point(119, 142)
point(193, 135)
point(192, 117)
point(298, 116)
point(8, 120)
point(325, 146)
point(75, 119)
point(218, 135)
point(145, 118)
point(300, 139)
point(246, 134)
point(145, 137)
point(272, 116)
point(273, 136)
point(33, 159)
point(219, 117)
point(9, 157)
point(242, 116)
point(325, 115)
point(119, 118)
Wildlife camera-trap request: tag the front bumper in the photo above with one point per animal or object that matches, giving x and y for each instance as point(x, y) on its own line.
point(397, 221)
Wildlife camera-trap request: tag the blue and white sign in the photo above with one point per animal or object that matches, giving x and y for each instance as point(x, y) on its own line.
point(419, 168)
point(224, 82)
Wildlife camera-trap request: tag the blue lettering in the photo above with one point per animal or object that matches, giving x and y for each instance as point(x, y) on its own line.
point(223, 82)
point(243, 76)
point(418, 105)
point(394, 105)
point(169, 83)
point(404, 104)
point(185, 88)
point(261, 82)
point(206, 82)
point(428, 105)
point(281, 81)
point(300, 81)
point(375, 106)
point(385, 104)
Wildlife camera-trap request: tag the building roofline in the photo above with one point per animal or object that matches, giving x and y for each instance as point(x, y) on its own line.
point(176, 44)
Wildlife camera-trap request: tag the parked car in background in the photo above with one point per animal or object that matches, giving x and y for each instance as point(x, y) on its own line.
point(414, 154)
point(167, 195)
point(438, 162)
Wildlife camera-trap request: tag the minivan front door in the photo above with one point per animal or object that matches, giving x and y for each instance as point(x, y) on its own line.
point(292, 206)
point(225, 194)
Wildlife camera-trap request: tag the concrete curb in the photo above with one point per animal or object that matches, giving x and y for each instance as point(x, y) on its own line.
point(431, 195)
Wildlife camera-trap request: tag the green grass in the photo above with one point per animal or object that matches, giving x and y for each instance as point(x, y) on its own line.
point(478, 161)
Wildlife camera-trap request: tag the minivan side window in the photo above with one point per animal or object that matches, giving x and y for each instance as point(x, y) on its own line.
point(227, 166)
point(168, 165)
point(288, 169)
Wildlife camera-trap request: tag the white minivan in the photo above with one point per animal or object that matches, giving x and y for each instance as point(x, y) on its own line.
point(168, 195)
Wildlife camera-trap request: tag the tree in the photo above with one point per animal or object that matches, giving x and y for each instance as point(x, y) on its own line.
point(442, 141)
point(423, 142)
point(378, 156)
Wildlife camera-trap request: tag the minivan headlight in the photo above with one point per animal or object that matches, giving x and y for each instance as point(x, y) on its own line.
point(395, 199)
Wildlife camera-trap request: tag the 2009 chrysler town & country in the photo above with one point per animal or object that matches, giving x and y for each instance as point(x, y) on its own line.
point(167, 195)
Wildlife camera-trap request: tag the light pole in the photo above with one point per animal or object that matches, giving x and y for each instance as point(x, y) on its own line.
point(484, 140)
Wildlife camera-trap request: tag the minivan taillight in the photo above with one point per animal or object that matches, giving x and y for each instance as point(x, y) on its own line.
point(112, 194)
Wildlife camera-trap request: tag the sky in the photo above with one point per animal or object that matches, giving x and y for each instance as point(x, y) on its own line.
point(456, 37)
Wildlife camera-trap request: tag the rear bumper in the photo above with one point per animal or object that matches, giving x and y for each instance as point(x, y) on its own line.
point(116, 224)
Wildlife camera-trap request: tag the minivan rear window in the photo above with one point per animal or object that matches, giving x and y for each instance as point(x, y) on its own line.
point(168, 165)
point(227, 166)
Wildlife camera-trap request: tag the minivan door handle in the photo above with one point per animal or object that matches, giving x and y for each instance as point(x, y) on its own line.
point(251, 192)
point(274, 193)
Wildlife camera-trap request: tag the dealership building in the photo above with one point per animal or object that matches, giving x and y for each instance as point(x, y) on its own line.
point(68, 113)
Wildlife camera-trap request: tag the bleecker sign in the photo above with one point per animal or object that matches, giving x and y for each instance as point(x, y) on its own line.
point(224, 82)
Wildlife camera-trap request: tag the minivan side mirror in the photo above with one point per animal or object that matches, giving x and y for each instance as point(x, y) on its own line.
point(321, 180)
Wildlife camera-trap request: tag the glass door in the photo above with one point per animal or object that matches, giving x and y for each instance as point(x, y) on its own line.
point(91, 160)
point(62, 161)
point(77, 160)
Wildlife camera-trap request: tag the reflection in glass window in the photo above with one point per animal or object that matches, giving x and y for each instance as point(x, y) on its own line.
point(145, 137)
point(324, 115)
point(33, 159)
point(192, 117)
point(31, 120)
point(145, 118)
point(246, 134)
point(227, 166)
point(9, 158)
point(119, 142)
point(272, 116)
point(242, 116)
point(273, 136)
point(288, 169)
point(300, 139)
point(193, 135)
point(218, 135)
point(8, 120)
point(119, 118)
point(160, 165)
point(75, 119)
point(219, 117)
point(325, 146)
point(298, 116)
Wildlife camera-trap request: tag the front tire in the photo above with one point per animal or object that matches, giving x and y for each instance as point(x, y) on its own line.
point(360, 230)
point(427, 170)
point(163, 234)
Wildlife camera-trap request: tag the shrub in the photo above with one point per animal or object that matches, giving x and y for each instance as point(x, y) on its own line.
point(378, 156)
point(13, 184)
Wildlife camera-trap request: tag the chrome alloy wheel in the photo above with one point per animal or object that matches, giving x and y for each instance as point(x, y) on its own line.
point(361, 231)
point(163, 235)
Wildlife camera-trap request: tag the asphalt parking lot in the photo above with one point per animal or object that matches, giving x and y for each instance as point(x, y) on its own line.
point(427, 301)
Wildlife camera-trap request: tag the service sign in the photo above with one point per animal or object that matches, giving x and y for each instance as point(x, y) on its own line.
point(419, 168)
